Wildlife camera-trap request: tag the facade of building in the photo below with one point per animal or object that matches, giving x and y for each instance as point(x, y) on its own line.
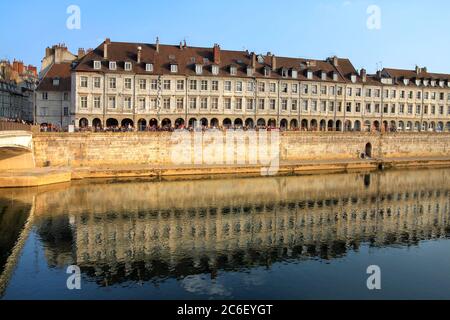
point(17, 85)
point(53, 97)
point(122, 84)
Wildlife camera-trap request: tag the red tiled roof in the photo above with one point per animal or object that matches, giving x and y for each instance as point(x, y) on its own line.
point(59, 71)
point(187, 57)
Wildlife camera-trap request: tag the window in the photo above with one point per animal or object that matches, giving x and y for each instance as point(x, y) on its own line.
point(56, 82)
point(192, 103)
point(250, 86)
point(215, 70)
point(198, 69)
point(180, 103)
point(358, 107)
point(127, 83)
point(97, 82)
point(66, 96)
point(410, 109)
point(358, 92)
point(97, 102)
point(377, 93)
point(331, 106)
point(305, 105)
point(284, 104)
point(273, 104)
point(215, 85)
point(141, 103)
point(348, 107)
point(112, 83)
point(250, 103)
point(166, 103)
point(173, 68)
point(332, 91)
point(44, 95)
point(112, 102)
point(305, 89)
point(368, 108)
point(97, 65)
point(323, 106)
point(441, 110)
point(401, 108)
point(314, 106)
point(227, 85)
point(239, 86)
point(153, 103)
point(142, 84)
point(419, 95)
point(204, 85)
point(386, 108)
point(295, 88)
point(154, 84)
point(66, 111)
point(204, 103)
point(238, 104)
point(214, 103)
point(393, 94)
point(261, 103)
point(233, 70)
point(84, 82)
point(273, 87)
point(112, 65)
point(227, 103)
point(180, 85)
point(128, 66)
point(192, 84)
point(149, 67)
point(166, 84)
point(294, 104)
point(418, 109)
point(368, 93)
point(314, 89)
point(261, 87)
point(349, 92)
point(128, 105)
point(393, 109)
point(83, 102)
point(323, 90)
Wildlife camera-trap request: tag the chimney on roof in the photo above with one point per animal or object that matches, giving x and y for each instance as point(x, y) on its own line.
point(181, 45)
point(363, 74)
point(48, 52)
point(335, 61)
point(253, 60)
point(139, 54)
point(81, 53)
point(216, 54)
point(274, 62)
point(105, 48)
point(157, 44)
point(184, 43)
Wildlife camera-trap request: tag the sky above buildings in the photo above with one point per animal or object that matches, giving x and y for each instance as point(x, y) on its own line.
point(372, 33)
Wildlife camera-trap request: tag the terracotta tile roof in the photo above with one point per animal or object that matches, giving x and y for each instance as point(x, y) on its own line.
point(187, 57)
point(59, 71)
point(400, 74)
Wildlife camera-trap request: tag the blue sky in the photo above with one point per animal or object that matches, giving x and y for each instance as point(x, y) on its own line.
point(412, 31)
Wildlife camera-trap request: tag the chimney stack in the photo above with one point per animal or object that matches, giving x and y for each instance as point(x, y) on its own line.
point(274, 62)
point(105, 48)
point(335, 61)
point(139, 54)
point(48, 52)
point(216, 53)
point(81, 53)
point(253, 60)
point(363, 75)
point(157, 44)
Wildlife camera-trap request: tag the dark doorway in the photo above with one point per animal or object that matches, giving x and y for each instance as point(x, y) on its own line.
point(369, 150)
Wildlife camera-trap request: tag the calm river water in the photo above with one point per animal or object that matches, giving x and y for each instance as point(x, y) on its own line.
point(306, 237)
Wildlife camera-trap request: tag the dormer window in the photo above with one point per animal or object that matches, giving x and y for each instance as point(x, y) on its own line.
point(198, 69)
point(284, 72)
point(335, 76)
point(441, 84)
point(174, 68)
point(215, 70)
point(97, 65)
point(233, 70)
point(249, 71)
point(128, 66)
point(309, 74)
point(149, 67)
point(294, 74)
point(405, 82)
point(418, 82)
point(323, 76)
point(353, 78)
point(56, 82)
point(112, 65)
point(433, 83)
point(267, 71)
point(425, 83)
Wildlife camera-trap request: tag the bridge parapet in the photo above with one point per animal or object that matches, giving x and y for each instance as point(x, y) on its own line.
point(16, 150)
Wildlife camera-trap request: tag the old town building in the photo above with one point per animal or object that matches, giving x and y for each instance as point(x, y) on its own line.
point(142, 85)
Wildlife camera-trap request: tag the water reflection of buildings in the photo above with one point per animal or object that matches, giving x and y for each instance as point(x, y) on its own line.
point(143, 231)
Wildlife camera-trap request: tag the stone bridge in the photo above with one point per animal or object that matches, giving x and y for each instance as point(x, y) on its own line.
point(16, 150)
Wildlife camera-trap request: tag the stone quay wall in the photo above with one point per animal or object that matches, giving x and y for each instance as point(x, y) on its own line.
point(157, 148)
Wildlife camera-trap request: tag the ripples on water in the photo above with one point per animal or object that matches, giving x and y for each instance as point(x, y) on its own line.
point(283, 237)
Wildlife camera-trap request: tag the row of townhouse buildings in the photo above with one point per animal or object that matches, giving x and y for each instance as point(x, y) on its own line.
point(142, 85)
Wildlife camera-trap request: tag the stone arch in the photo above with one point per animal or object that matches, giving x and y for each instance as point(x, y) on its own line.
point(179, 123)
point(294, 124)
point(401, 126)
point(214, 123)
point(432, 126)
point(126, 123)
point(192, 122)
point(204, 122)
point(313, 125)
point(367, 125)
point(448, 126)
point(348, 125)
point(330, 125)
point(393, 126)
point(385, 126)
point(368, 150)
point(272, 123)
point(111, 122)
point(227, 123)
point(376, 125)
point(166, 123)
point(283, 124)
point(153, 123)
point(323, 125)
point(304, 124)
point(357, 125)
point(238, 122)
point(84, 123)
point(97, 123)
point(338, 125)
point(417, 126)
point(425, 126)
point(409, 126)
point(249, 123)
point(440, 126)
point(261, 123)
point(142, 124)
